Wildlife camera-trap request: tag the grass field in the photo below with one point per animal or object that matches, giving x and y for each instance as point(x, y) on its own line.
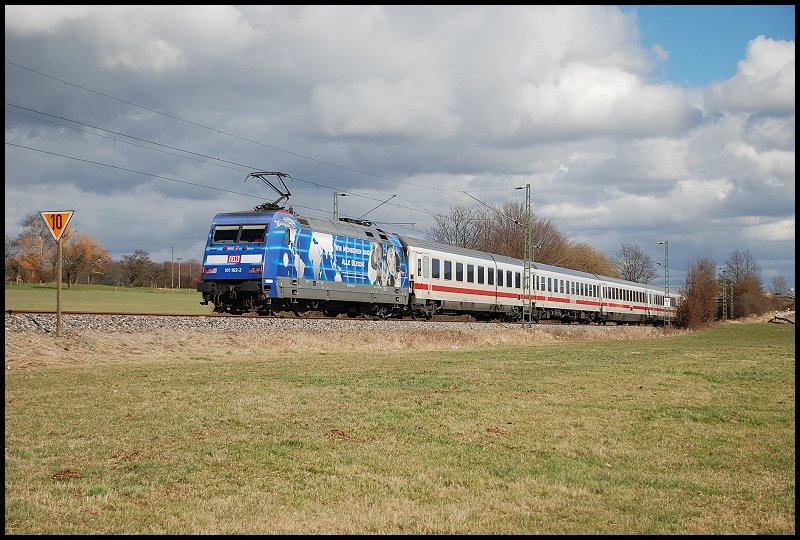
point(105, 298)
point(209, 433)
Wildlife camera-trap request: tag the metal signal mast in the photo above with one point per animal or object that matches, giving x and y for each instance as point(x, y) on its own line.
point(527, 272)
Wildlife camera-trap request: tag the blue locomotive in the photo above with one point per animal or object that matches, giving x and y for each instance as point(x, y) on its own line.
point(271, 260)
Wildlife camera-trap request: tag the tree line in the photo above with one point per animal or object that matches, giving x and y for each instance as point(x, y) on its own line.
point(709, 292)
point(31, 258)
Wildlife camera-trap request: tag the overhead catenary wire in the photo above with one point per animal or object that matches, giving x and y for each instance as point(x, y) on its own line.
point(205, 158)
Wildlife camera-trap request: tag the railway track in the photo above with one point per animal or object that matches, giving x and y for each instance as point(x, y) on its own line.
point(306, 316)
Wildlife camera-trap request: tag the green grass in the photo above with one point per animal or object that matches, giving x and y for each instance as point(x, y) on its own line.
point(692, 434)
point(105, 298)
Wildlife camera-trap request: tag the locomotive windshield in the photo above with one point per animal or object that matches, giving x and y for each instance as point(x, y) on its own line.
point(234, 234)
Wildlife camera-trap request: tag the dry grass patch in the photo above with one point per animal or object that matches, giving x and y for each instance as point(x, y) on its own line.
point(36, 349)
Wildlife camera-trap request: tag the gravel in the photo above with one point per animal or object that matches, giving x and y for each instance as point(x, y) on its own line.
point(46, 323)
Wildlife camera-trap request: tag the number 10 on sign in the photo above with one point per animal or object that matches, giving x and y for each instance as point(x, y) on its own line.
point(57, 222)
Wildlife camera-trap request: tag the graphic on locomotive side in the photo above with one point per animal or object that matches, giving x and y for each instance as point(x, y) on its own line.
point(270, 261)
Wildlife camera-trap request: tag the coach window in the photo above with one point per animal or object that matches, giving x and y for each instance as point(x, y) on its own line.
point(448, 270)
point(470, 273)
point(425, 265)
point(509, 273)
point(562, 286)
point(435, 268)
point(459, 271)
point(490, 276)
point(499, 278)
point(518, 280)
point(419, 267)
point(549, 284)
point(480, 274)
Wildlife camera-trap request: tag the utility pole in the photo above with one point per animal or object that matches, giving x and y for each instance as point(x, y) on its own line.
point(667, 302)
point(172, 270)
point(336, 195)
point(527, 297)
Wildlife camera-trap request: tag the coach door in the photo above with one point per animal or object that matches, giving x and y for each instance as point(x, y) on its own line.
point(422, 276)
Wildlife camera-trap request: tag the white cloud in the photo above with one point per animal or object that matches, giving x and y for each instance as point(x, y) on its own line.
point(374, 106)
point(30, 20)
point(782, 230)
point(764, 81)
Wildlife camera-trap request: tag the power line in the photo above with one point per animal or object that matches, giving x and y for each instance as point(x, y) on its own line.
point(207, 159)
point(204, 158)
point(343, 167)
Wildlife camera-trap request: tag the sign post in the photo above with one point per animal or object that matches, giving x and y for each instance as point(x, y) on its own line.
point(57, 222)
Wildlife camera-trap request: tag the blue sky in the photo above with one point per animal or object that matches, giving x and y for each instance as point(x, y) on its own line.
point(632, 124)
point(706, 42)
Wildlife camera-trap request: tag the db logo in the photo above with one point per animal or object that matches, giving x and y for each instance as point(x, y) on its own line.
point(233, 259)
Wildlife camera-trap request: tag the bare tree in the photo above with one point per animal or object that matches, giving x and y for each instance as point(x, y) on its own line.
point(699, 304)
point(460, 227)
point(587, 259)
point(82, 256)
point(551, 245)
point(742, 265)
point(779, 286)
point(747, 296)
point(634, 264)
point(12, 264)
point(36, 249)
point(137, 267)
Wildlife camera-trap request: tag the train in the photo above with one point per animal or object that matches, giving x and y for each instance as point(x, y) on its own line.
point(271, 261)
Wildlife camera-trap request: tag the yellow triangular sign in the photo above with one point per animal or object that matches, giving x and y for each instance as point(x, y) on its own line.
point(57, 221)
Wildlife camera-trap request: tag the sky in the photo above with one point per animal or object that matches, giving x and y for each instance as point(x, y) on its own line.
point(631, 124)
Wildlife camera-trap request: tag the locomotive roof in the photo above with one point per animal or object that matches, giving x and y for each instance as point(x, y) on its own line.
point(353, 228)
point(345, 228)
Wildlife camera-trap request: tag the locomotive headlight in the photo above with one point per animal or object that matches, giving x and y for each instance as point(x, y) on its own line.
point(209, 270)
point(255, 270)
